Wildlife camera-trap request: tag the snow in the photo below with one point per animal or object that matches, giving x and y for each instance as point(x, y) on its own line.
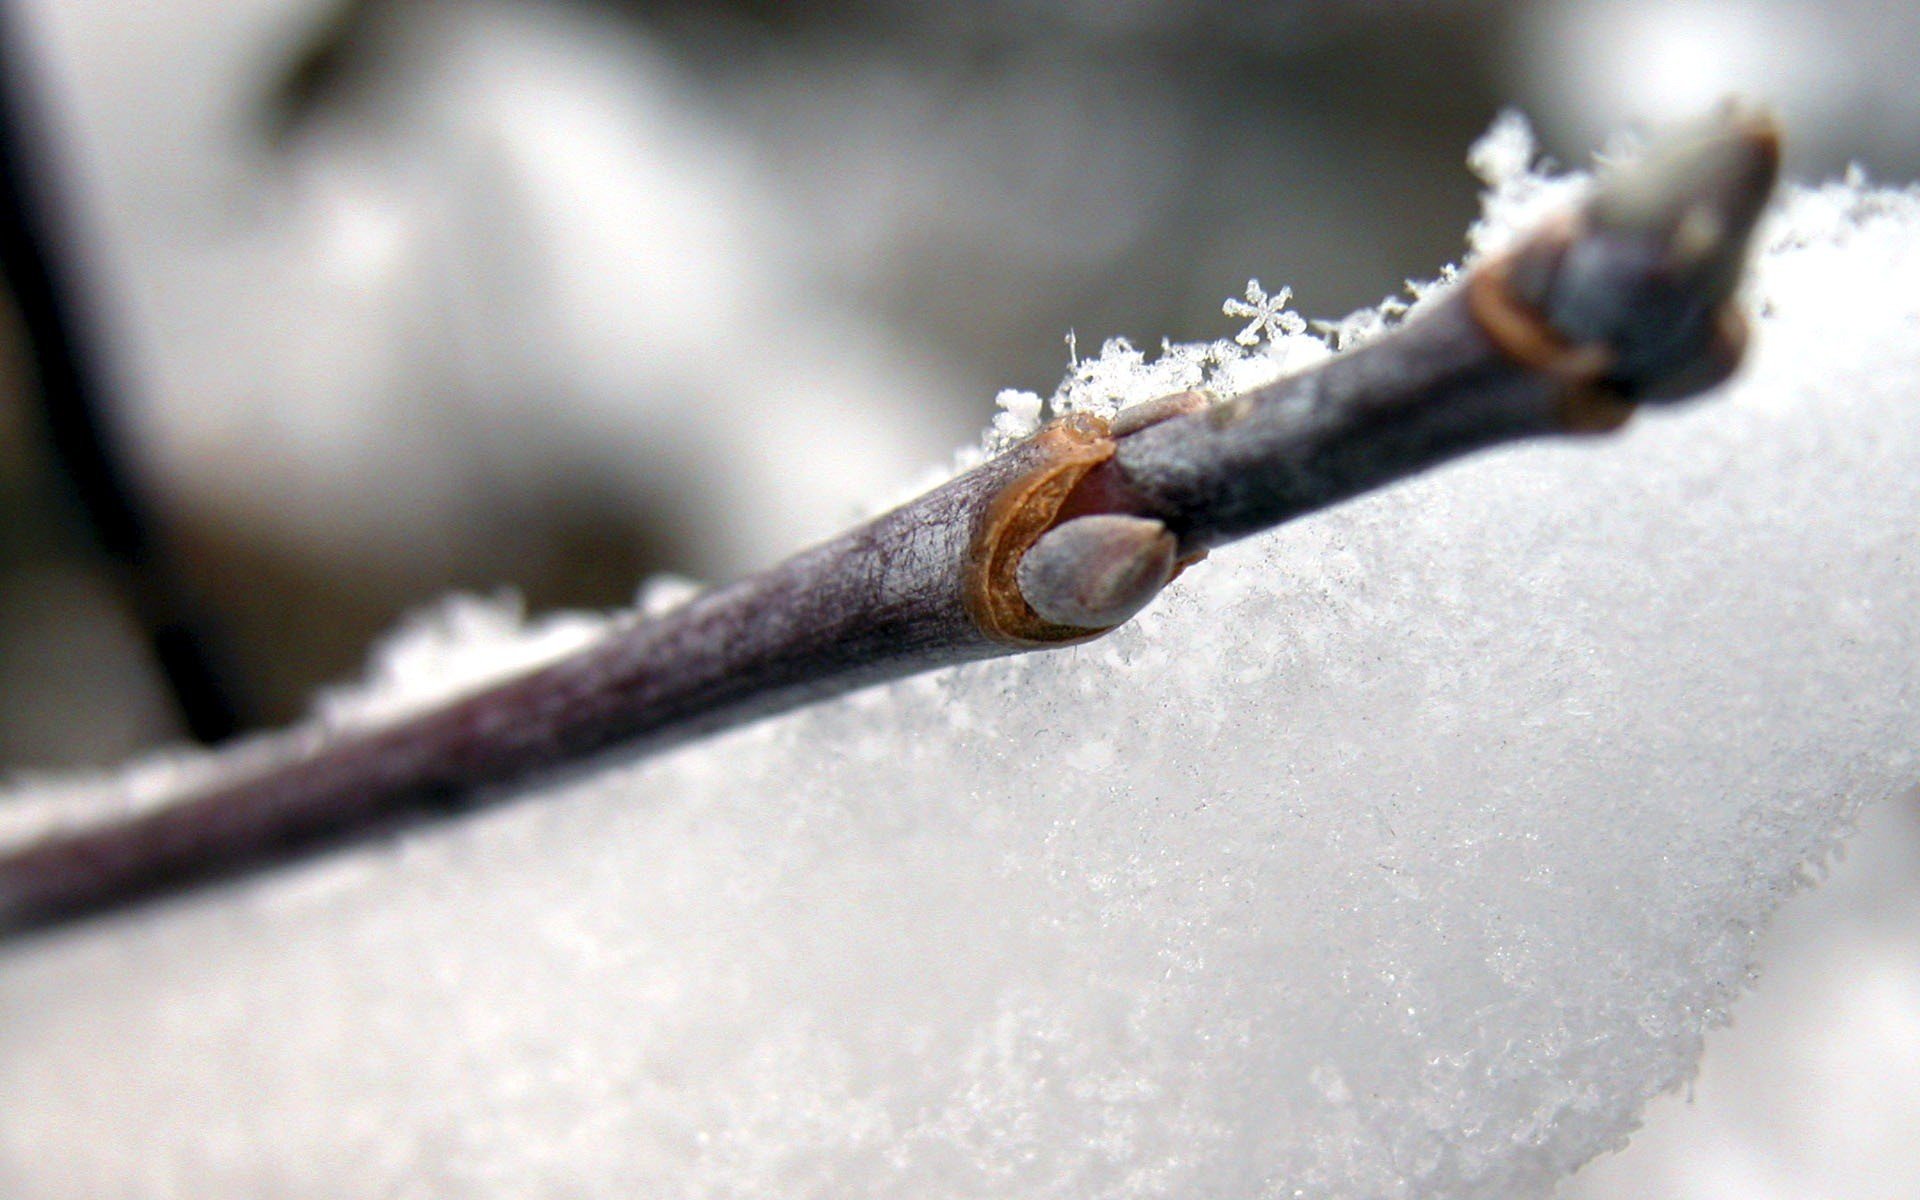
point(1811, 1091)
point(1404, 852)
point(1018, 418)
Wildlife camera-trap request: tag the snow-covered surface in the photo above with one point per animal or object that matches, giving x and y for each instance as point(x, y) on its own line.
point(1403, 852)
point(1813, 1089)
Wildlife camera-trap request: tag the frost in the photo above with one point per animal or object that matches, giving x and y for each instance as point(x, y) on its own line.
point(1403, 852)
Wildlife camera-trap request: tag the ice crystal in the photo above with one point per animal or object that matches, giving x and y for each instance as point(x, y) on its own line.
point(1270, 316)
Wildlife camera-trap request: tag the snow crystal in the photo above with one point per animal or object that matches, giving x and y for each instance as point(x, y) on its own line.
point(1270, 316)
point(1403, 852)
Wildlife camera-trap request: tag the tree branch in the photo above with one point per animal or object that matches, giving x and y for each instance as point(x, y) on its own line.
point(75, 389)
point(1056, 541)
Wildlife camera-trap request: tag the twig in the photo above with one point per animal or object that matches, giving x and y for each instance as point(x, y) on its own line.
point(1054, 542)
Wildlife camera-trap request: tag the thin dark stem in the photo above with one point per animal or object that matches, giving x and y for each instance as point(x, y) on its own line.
point(1053, 542)
point(73, 390)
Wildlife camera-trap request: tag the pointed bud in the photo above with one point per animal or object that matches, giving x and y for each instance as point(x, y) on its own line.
point(1095, 572)
point(1651, 267)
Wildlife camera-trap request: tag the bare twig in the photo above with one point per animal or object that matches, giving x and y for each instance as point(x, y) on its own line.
point(1054, 542)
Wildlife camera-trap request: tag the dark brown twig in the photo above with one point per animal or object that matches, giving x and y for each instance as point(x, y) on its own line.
point(1053, 542)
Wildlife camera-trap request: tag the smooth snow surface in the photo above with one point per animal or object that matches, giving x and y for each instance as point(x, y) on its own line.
point(1401, 853)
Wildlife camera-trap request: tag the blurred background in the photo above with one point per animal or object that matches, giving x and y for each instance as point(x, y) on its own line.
point(319, 309)
point(366, 300)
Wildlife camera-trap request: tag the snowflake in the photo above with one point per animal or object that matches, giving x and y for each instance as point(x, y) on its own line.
point(1269, 314)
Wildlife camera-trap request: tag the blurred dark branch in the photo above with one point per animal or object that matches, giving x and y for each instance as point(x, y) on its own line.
point(74, 388)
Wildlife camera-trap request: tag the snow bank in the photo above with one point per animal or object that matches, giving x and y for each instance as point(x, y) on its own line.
point(1401, 853)
point(1812, 1090)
